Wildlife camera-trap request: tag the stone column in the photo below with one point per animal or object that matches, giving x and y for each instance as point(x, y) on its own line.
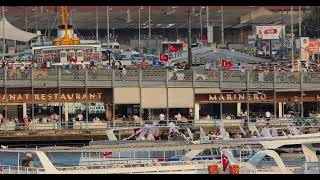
point(196, 111)
point(66, 110)
point(280, 110)
point(238, 109)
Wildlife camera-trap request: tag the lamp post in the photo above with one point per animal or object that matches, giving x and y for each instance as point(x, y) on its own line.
point(292, 49)
point(200, 16)
point(108, 26)
point(189, 39)
point(97, 24)
point(139, 36)
point(149, 22)
point(3, 35)
point(222, 28)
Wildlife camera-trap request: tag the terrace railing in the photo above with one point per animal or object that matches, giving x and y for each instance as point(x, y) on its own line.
point(156, 75)
point(103, 125)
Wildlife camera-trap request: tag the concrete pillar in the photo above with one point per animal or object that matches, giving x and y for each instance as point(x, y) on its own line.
point(66, 110)
point(280, 110)
point(238, 109)
point(24, 109)
point(196, 111)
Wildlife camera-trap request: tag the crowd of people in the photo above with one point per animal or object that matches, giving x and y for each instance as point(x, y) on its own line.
point(242, 115)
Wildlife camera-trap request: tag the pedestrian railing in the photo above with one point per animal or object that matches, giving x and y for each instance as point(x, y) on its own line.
point(103, 125)
point(197, 75)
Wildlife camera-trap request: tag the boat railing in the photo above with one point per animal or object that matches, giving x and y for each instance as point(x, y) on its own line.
point(5, 169)
point(204, 164)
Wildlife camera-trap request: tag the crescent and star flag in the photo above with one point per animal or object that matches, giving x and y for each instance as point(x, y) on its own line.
point(225, 162)
point(172, 48)
point(164, 57)
point(226, 64)
point(105, 154)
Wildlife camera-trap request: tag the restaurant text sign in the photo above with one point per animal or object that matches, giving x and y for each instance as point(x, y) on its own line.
point(65, 97)
point(238, 97)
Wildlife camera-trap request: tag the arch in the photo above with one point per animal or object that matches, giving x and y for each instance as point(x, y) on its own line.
point(254, 160)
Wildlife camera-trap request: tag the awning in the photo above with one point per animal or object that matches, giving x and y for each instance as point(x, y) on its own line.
point(13, 33)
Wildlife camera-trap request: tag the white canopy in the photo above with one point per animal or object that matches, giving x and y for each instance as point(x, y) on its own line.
point(13, 33)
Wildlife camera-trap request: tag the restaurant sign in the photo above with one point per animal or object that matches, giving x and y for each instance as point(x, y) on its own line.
point(54, 97)
point(238, 97)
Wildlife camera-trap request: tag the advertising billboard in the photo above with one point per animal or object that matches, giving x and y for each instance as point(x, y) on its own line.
point(270, 32)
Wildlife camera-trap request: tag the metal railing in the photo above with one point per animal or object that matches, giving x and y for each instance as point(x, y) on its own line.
point(160, 75)
point(103, 125)
point(5, 169)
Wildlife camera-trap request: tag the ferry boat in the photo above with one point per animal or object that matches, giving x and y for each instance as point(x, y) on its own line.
point(258, 155)
point(67, 46)
point(260, 160)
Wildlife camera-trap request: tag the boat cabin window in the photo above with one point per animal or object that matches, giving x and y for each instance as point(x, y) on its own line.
point(116, 47)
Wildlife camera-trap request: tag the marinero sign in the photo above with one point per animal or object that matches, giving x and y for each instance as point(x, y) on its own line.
point(54, 97)
point(237, 97)
point(267, 96)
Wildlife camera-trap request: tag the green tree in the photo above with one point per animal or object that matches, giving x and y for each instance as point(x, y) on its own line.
point(311, 22)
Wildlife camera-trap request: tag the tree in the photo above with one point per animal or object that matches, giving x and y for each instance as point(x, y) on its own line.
point(311, 22)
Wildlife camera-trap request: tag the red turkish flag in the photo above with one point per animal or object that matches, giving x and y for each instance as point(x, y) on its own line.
point(164, 57)
point(172, 48)
point(225, 162)
point(226, 64)
point(73, 60)
point(105, 154)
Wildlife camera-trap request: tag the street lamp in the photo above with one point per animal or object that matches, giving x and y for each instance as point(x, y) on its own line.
point(108, 38)
point(139, 41)
point(222, 28)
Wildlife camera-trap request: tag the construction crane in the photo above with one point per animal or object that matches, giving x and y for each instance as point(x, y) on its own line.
point(66, 40)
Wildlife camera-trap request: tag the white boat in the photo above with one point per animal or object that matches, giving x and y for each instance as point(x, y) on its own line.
point(265, 159)
point(66, 47)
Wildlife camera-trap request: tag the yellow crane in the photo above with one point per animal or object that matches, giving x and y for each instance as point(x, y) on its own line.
point(66, 40)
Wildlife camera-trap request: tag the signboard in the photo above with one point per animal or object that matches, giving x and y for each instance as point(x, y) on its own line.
point(262, 97)
point(304, 42)
point(270, 32)
point(313, 46)
point(53, 97)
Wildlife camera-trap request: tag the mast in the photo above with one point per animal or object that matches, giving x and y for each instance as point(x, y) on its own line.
point(64, 14)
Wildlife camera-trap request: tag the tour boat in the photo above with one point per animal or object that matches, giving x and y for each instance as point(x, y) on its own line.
point(67, 46)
